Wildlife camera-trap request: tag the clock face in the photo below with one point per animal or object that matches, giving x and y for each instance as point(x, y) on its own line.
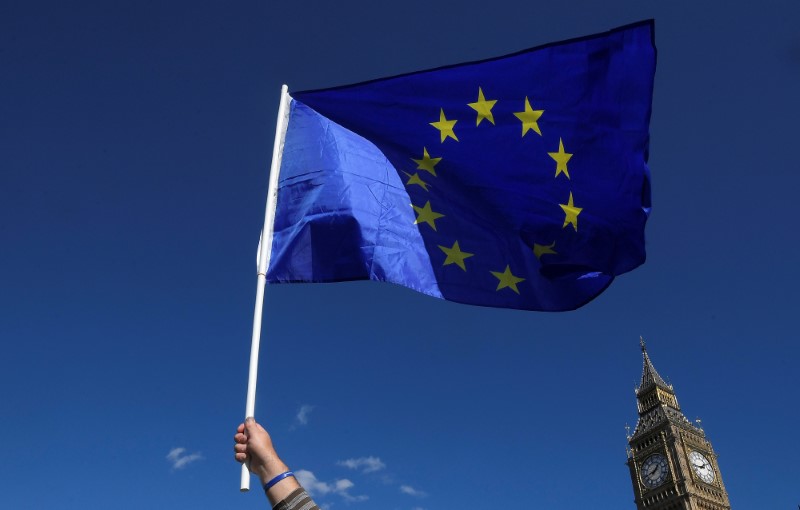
point(701, 466)
point(654, 470)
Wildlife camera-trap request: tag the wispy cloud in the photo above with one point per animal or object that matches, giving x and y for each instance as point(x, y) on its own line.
point(365, 464)
point(320, 488)
point(180, 459)
point(302, 414)
point(411, 491)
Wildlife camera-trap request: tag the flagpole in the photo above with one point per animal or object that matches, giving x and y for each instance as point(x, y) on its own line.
point(264, 252)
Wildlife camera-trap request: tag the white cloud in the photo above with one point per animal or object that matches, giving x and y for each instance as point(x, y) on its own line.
point(319, 488)
point(355, 499)
point(302, 414)
point(366, 464)
point(180, 459)
point(411, 491)
point(342, 485)
point(310, 482)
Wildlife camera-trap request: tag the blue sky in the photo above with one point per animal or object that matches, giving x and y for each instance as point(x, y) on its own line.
point(134, 143)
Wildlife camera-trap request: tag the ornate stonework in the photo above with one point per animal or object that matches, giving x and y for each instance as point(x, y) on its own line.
point(672, 464)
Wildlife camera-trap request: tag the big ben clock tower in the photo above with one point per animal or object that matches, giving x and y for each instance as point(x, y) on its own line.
point(672, 463)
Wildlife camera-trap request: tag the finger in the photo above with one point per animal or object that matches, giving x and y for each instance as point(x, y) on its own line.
point(240, 438)
point(240, 448)
point(253, 427)
point(240, 457)
point(240, 428)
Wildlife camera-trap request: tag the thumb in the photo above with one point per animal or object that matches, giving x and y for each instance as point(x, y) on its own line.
point(251, 427)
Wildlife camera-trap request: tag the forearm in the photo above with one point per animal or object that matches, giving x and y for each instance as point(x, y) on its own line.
point(298, 499)
point(279, 491)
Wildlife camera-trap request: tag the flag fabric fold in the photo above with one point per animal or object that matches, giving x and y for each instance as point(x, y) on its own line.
point(515, 182)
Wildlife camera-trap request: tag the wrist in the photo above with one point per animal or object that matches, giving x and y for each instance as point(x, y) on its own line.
point(280, 486)
point(278, 479)
point(270, 470)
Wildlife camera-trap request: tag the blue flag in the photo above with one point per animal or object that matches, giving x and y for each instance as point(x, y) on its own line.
point(515, 182)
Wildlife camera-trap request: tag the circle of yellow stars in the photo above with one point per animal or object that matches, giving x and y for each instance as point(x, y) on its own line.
point(529, 118)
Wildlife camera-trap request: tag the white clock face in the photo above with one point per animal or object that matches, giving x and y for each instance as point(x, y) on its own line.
point(654, 470)
point(702, 467)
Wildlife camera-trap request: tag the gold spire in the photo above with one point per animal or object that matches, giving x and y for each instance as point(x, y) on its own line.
point(649, 375)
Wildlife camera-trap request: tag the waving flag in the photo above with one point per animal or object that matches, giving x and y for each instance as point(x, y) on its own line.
point(515, 182)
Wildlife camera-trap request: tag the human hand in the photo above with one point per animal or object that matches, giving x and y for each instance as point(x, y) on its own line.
point(254, 447)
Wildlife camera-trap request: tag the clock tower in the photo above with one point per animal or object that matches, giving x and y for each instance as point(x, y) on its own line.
point(672, 463)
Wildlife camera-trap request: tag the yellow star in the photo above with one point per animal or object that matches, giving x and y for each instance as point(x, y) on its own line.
point(415, 179)
point(483, 107)
point(529, 118)
point(544, 249)
point(507, 280)
point(427, 215)
point(561, 158)
point(445, 126)
point(571, 213)
point(427, 163)
point(455, 256)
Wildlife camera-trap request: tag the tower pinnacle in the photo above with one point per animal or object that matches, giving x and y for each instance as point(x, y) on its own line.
point(649, 375)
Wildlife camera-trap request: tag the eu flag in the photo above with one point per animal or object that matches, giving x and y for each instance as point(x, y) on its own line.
point(515, 182)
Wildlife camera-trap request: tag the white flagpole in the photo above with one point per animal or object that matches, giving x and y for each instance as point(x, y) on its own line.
point(264, 253)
